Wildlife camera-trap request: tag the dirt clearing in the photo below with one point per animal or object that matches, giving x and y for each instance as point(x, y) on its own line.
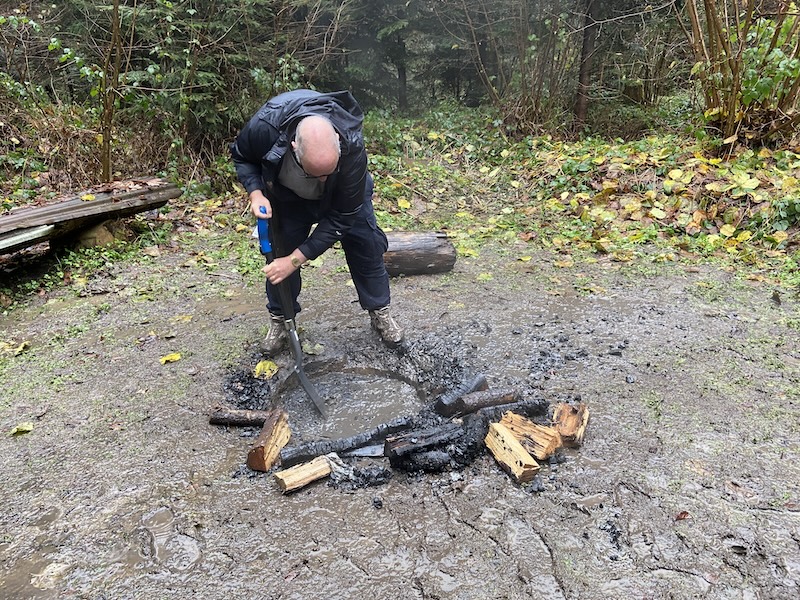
point(687, 484)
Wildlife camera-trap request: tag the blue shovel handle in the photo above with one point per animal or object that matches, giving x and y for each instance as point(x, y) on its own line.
point(263, 233)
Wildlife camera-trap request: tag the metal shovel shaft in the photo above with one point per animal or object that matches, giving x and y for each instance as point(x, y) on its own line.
point(297, 354)
point(287, 304)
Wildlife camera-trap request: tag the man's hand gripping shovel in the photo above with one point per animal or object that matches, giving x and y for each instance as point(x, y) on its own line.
point(288, 316)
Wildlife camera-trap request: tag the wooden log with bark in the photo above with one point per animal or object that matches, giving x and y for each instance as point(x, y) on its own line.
point(293, 455)
point(445, 403)
point(474, 401)
point(301, 475)
point(539, 440)
point(570, 422)
point(31, 225)
point(513, 458)
point(415, 253)
point(237, 417)
point(274, 435)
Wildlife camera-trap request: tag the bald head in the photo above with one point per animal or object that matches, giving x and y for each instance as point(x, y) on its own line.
point(316, 146)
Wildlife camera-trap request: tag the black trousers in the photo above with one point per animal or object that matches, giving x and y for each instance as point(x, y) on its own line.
point(363, 247)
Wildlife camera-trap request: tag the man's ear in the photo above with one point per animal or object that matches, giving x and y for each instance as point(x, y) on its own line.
point(294, 145)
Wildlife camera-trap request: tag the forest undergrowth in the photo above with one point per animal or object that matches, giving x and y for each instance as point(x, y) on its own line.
point(662, 196)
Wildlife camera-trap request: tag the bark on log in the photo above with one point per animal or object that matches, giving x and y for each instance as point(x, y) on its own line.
point(469, 403)
point(535, 407)
point(421, 440)
point(267, 446)
point(299, 454)
point(571, 422)
point(413, 253)
point(301, 475)
point(238, 417)
point(513, 458)
point(445, 403)
point(539, 440)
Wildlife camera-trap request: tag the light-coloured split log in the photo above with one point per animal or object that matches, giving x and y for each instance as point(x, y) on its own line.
point(267, 446)
point(301, 475)
point(510, 454)
point(570, 422)
point(539, 440)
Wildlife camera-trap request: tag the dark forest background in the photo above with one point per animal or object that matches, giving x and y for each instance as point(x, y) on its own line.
point(183, 75)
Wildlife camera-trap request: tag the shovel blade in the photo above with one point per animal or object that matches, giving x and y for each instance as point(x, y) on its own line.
point(297, 354)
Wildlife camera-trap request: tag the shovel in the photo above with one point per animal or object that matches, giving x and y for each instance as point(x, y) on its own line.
point(288, 316)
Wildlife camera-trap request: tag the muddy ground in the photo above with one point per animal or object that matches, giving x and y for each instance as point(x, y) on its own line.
point(687, 485)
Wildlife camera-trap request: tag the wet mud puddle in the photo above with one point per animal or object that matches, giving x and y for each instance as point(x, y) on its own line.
point(355, 402)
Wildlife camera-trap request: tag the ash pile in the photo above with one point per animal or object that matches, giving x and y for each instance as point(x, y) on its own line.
point(461, 419)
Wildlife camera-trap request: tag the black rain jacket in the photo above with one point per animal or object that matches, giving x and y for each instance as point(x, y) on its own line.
point(264, 141)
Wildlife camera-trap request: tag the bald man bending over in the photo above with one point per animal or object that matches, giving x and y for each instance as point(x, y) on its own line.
point(302, 158)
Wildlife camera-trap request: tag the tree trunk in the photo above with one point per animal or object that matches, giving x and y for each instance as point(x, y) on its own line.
point(585, 71)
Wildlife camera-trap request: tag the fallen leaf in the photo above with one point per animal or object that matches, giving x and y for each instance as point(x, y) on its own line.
point(312, 349)
point(266, 369)
point(87, 197)
point(565, 263)
point(11, 348)
point(778, 237)
point(25, 427)
point(683, 515)
point(169, 358)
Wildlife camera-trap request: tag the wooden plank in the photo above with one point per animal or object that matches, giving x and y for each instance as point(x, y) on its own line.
point(513, 458)
point(417, 253)
point(300, 476)
point(274, 435)
point(109, 206)
point(23, 238)
point(539, 440)
point(570, 422)
point(27, 226)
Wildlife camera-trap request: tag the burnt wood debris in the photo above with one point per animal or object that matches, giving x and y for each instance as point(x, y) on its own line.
point(460, 424)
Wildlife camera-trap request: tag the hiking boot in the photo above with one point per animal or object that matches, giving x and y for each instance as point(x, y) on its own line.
point(276, 338)
point(382, 322)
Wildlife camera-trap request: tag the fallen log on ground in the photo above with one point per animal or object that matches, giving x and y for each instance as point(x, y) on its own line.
point(511, 455)
point(237, 417)
point(540, 441)
point(474, 401)
point(300, 476)
point(31, 225)
point(444, 403)
point(412, 253)
point(571, 422)
point(274, 435)
point(534, 407)
point(298, 454)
